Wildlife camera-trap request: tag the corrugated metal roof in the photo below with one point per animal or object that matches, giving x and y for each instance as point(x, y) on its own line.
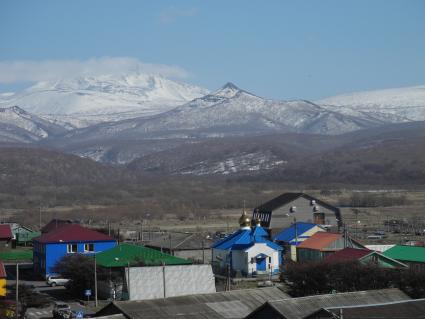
point(123, 254)
point(348, 254)
point(5, 231)
point(412, 309)
point(320, 240)
point(232, 304)
point(297, 308)
point(406, 253)
point(72, 233)
point(295, 230)
point(245, 238)
point(351, 254)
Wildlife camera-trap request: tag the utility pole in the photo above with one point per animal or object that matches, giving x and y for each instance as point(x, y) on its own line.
point(228, 277)
point(95, 281)
point(17, 292)
point(39, 217)
point(203, 251)
point(169, 238)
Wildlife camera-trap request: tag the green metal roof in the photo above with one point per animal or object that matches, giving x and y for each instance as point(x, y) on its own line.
point(406, 253)
point(16, 255)
point(122, 255)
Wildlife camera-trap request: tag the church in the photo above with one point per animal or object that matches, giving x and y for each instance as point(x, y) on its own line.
point(247, 251)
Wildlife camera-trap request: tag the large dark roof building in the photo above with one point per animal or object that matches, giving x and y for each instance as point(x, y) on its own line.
point(281, 211)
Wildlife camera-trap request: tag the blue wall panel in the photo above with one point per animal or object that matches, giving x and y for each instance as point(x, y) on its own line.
point(56, 251)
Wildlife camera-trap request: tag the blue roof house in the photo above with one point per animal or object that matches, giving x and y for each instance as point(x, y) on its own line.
point(294, 235)
point(67, 239)
point(247, 251)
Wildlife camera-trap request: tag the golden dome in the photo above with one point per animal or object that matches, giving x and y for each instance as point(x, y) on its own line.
point(244, 220)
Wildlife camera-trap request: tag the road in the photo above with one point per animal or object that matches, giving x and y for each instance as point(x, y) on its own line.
point(58, 293)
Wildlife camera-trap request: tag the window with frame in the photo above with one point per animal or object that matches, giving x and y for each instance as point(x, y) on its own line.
point(89, 247)
point(72, 248)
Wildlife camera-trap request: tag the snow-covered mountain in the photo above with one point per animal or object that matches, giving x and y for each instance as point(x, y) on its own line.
point(390, 105)
point(88, 100)
point(229, 111)
point(17, 125)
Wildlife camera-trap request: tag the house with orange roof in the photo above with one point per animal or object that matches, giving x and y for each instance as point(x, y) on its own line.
point(322, 244)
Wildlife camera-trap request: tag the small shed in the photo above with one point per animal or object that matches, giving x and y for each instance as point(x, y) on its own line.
point(5, 237)
point(138, 272)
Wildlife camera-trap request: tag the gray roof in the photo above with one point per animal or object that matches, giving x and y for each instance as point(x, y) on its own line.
point(179, 241)
point(412, 309)
point(232, 304)
point(297, 308)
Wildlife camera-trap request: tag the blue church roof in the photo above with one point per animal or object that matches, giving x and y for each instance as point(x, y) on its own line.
point(289, 233)
point(245, 238)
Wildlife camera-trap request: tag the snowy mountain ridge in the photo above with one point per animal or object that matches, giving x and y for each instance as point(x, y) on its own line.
point(88, 100)
point(396, 105)
point(17, 125)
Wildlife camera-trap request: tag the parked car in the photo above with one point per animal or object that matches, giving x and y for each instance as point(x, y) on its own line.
point(56, 280)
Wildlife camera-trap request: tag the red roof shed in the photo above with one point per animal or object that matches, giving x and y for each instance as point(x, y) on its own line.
point(5, 232)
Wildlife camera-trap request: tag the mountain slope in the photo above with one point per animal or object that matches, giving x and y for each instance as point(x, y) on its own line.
point(88, 100)
point(229, 111)
point(17, 125)
point(394, 105)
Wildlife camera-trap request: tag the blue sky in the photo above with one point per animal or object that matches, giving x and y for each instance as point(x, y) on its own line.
point(277, 49)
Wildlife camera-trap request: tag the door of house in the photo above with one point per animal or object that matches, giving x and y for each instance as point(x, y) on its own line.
point(261, 263)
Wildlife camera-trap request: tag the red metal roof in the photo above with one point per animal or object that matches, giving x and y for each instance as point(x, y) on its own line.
point(72, 233)
point(320, 240)
point(5, 231)
point(348, 254)
point(2, 271)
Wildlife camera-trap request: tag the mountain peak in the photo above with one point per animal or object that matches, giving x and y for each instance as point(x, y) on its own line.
point(228, 90)
point(230, 86)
